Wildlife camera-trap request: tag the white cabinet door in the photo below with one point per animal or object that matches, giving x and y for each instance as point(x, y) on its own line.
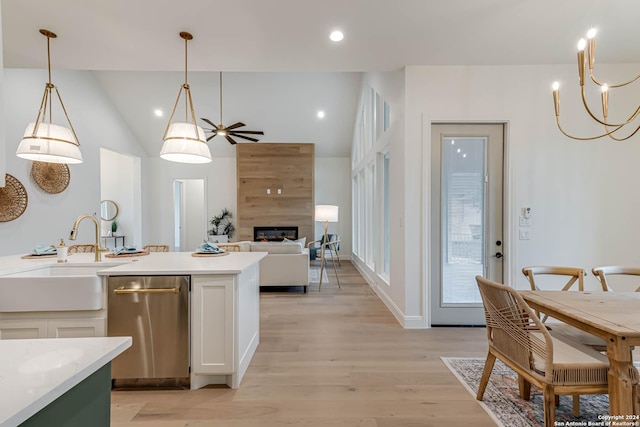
point(76, 328)
point(21, 329)
point(212, 327)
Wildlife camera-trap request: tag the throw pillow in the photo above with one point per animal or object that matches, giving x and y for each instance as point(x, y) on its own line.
point(302, 242)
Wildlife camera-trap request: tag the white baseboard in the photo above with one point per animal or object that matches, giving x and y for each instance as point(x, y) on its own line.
point(407, 322)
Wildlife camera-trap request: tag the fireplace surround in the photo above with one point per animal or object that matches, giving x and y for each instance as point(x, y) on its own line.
point(274, 234)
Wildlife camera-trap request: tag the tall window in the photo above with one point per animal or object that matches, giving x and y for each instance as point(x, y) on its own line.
point(370, 216)
point(386, 221)
point(355, 231)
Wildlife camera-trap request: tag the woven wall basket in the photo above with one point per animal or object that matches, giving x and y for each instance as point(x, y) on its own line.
point(13, 199)
point(52, 178)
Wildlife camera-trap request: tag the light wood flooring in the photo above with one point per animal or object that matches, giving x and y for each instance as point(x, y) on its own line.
point(334, 358)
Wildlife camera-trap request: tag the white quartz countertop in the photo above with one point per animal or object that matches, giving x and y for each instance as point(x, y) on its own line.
point(156, 263)
point(33, 373)
point(165, 263)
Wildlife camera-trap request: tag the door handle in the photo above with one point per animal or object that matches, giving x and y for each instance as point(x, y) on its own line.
point(122, 290)
point(498, 255)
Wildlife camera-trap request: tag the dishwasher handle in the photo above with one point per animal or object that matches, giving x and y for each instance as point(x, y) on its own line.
point(122, 290)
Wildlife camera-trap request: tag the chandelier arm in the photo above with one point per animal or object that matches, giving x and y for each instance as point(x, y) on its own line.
point(172, 113)
point(586, 106)
point(593, 79)
point(610, 135)
point(64, 110)
point(590, 138)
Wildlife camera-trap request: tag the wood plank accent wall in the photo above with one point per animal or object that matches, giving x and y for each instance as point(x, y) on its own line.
point(289, 167)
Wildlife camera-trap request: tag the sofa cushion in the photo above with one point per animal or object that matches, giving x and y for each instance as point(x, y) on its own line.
point(276, 247)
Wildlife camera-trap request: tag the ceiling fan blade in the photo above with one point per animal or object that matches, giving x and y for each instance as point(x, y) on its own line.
point(237, 135)
point(231, 141)
point(211, 137)
point(235, 125)
point(250, 132)
point(209, 121)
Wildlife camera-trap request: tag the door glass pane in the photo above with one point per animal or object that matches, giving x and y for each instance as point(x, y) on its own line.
point(463, 171)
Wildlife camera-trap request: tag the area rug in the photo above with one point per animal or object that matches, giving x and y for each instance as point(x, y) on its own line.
point(314, 275)
point(503, 403)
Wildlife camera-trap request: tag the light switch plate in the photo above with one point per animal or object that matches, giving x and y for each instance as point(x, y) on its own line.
point(525, 234)
point(524, 222)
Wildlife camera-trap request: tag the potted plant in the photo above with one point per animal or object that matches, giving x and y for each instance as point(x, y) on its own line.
point(114, 227)
point(222, 228)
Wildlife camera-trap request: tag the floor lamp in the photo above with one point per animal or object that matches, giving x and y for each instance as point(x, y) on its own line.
point(327, 214)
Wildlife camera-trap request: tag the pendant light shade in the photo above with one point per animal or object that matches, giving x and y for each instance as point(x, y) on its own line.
point(44, 141)
point(49, 143)
point(185, 142)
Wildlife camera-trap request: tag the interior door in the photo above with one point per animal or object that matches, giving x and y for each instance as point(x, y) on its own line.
point(466, 218)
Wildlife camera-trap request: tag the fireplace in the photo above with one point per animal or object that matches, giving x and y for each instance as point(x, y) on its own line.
point(274, 234)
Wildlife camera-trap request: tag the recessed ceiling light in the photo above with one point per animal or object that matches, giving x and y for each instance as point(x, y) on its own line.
point(321, 114)
point(336, 36)
point(158, 113)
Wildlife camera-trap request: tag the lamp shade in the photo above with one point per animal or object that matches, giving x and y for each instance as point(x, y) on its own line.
point(49, 143)
point(327, 213)
point(185, 143)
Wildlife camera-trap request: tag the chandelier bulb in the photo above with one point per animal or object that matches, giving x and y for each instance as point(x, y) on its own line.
point(582, 43)
point(604, 88)
point(555, 86)
point(592, 33)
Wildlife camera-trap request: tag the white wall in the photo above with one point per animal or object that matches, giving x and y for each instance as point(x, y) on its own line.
point(333, 187)
point(50, 216)
point(582, 194)
point(391, 88)
point(3, 136)
point(195, 222)
point(220, 188)
point(120, 178)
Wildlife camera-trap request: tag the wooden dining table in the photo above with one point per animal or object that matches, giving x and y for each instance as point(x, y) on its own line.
point(612, 316)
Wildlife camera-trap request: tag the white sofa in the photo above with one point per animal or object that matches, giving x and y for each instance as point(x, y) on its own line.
point(286, 265)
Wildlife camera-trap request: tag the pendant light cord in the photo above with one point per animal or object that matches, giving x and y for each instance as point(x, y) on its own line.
point(221, 97)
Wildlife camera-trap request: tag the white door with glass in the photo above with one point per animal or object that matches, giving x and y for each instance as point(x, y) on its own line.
point(466, 218)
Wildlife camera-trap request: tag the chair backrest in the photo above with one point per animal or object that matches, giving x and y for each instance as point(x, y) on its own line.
point(514, 330)
point(574, 275)
point(602, 272)
point(81, 249)
point(156, 248)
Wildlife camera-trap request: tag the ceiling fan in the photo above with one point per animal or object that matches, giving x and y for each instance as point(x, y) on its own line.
point(229, 131)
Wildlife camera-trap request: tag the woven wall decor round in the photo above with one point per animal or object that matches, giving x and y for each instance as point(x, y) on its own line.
point(13, 199)
point(51, 177)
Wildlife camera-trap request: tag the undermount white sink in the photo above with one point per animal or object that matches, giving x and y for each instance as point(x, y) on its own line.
point(57, 287)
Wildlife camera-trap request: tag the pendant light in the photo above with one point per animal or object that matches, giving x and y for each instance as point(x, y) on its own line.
point(44, 141)
point(185, 142)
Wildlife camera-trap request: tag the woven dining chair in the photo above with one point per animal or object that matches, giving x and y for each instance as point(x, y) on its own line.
point(614, 270)
point(555, 364)
point(156, 248)
point(573, 276)
point(82, 249)
point(229, 247)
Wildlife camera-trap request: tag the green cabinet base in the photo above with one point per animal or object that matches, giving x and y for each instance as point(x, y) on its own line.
point(86, 404)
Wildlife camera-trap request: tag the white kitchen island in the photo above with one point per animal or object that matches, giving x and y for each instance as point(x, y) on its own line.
point(57, 382)
point(224, 307)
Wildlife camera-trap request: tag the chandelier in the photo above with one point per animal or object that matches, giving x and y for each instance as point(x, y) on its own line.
point(184, 142)
point(610, 127)
point(44, 141)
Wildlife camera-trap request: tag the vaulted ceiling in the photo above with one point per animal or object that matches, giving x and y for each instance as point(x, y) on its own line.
point(280, 67)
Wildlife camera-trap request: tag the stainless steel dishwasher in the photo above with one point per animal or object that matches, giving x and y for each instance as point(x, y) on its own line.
point(154, 310)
